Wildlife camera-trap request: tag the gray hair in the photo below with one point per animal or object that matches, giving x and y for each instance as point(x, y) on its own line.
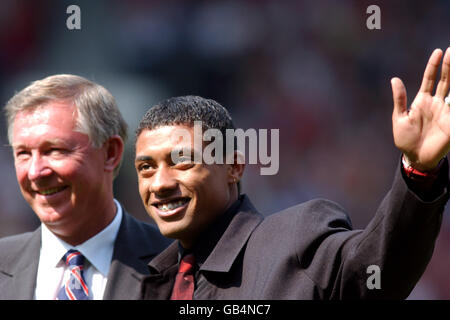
point(97, 113)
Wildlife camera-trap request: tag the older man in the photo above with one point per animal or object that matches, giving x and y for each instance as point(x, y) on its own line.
point(226, 250)
point(67, 137)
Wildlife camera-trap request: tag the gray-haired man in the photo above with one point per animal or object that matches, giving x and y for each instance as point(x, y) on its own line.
point(67, 137)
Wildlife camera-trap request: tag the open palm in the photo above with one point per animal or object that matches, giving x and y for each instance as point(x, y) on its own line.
point(422, 133)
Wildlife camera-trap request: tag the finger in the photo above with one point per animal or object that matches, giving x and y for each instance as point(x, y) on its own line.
point(431, 69)
point(399, 96)
point(444, 83)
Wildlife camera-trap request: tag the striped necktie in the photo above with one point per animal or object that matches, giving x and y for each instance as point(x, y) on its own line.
point(75, 288)
point(183, 288)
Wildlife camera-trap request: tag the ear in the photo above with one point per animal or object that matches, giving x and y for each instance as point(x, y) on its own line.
point(236, 169)
point(113, 147)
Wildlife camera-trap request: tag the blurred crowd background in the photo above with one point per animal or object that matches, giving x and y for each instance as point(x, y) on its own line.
point(309, 68)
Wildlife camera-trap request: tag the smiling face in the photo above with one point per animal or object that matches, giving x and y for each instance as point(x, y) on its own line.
point(183, 198)
point(60, 174)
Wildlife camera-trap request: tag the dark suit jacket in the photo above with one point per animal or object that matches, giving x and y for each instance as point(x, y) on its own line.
point(136, 244)
point(310, 251)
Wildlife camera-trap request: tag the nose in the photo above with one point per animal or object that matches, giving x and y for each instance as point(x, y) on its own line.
point(163, 182)
point(38, 168)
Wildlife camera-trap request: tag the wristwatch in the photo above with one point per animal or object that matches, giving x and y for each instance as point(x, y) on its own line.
point(420, 175)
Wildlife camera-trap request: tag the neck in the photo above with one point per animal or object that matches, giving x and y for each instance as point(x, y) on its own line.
point(214, 230)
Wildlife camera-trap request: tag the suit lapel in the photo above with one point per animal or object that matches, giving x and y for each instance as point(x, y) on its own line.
point(124, 282)
point(163, 269)
point(234, 238)
point(133, 249)
point(18, 277)
point(159, 286)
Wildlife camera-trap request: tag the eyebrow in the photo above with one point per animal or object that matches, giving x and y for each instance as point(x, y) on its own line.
point(46, 142)
point(16, 145)
point(189, 150)
point(143, 158)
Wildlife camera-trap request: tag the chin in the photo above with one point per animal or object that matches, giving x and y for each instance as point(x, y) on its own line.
point(172, 230)
point(50, 216)
point(168, 231)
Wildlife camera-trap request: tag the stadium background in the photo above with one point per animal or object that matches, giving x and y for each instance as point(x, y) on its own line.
point(310, 68)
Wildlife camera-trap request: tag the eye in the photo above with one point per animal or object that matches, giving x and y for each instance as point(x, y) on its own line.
point(144, 167)
point(184, 163)
point(21, 154)
point(56, 151)
point(184, 160)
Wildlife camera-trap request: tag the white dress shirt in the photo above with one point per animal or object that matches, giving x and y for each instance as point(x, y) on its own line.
point(98, 250)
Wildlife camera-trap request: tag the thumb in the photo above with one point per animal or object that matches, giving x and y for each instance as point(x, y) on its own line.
point(399, 96)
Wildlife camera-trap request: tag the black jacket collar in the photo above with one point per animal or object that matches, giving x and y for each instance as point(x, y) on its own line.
point(225, 250)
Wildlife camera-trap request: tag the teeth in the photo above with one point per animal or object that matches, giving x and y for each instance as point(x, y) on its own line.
point(171, 205)
point(51, 191)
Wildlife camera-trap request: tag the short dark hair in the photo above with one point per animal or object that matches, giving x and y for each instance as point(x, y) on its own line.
point(185, 110)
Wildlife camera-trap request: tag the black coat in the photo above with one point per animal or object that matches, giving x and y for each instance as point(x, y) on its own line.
point(310, 251)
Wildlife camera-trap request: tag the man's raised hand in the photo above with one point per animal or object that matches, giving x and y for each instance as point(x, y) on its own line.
point(422, 133)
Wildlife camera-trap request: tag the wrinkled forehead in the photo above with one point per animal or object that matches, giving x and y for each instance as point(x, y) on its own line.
point(33, 120)
point(38, 114)
point(47, 112)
